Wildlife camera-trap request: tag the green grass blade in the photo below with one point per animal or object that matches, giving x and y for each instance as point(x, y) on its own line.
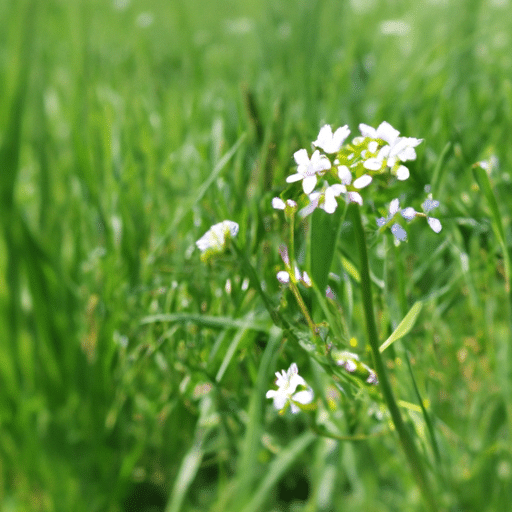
point(223, 322)
point(188, 469)
point(252, 439)
point(426, 415)
point(436, 176)
point(198, 195)
point(277, 469)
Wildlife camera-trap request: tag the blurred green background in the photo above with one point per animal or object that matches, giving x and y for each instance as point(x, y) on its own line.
point(127, 128)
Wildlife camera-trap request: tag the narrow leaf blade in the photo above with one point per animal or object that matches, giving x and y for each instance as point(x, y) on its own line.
point(404, 326)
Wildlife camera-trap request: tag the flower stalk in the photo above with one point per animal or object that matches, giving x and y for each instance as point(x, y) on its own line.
point(406, 440)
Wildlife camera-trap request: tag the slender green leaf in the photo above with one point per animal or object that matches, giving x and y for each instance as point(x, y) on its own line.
point(404, 326)
point(224, 322)
point(436, 177)
point(324, 233)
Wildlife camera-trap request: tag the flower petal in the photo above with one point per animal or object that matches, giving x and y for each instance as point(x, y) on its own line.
point(408, 213)
point(399, 232)
point(301, 157)
point(402, 173)
point(373, 164)
point(386, 132)
point(363, 181)
point(294, 177)
point(330, 203)
point(367, 131)
point(283, 277)
point(435, 224)
point(303, 397)
point(278, 203)
point(355, 197)
point(344, 174)
point(308, 184)
point(394, 206)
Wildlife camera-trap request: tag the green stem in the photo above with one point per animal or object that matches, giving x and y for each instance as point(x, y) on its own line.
point(406, 440)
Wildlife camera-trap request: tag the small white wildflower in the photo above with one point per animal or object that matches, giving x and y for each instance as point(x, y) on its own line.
point(329, 142)
point(287, 383)
point(403, 149)
point(489, 165)
point(215, 239)
point(398, 149)
point(307, 168)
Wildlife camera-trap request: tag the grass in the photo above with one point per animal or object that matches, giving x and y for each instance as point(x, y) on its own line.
point(131, 374)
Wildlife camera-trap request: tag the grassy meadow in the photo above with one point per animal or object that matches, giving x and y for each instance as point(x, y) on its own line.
point(132, 374)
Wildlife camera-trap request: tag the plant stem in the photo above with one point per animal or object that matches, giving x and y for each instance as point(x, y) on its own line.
point(406, 440)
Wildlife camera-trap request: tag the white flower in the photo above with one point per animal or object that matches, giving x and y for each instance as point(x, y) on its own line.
point(287, 382)
point(215, 239)
point(307, 168)
point(329, 142)
point(403, 149)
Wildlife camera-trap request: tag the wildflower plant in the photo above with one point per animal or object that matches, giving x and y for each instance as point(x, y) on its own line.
point(363, 179)
point(361, 182)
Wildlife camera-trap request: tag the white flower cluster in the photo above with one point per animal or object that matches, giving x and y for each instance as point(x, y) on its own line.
point(339, 169)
